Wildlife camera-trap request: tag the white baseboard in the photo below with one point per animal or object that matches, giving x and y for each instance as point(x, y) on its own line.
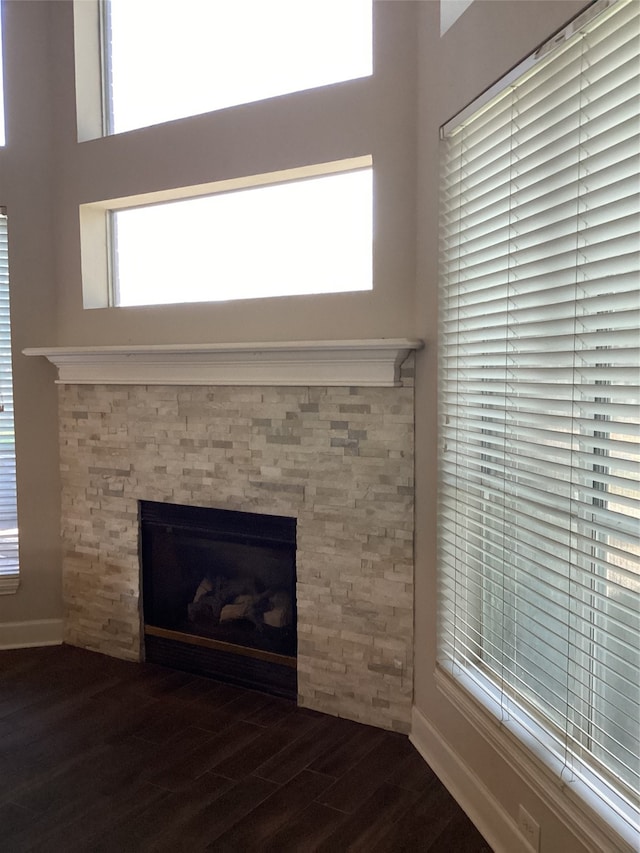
point(22, 635)
point(489, 816)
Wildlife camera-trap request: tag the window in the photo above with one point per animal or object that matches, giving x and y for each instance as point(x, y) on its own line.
point(540, 430)
point(166, 60)
point(300, 237)
point(8, 506)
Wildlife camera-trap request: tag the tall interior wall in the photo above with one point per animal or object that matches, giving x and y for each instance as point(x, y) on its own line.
point(46, 173)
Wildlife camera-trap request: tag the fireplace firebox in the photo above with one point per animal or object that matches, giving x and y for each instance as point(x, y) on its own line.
point(219, 594)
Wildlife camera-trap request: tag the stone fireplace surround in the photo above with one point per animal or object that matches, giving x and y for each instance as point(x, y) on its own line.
point(270, 428)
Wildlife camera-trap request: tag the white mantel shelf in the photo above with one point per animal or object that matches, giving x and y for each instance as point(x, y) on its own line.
point(333, 363)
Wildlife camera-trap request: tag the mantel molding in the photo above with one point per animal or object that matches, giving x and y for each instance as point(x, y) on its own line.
point(334, 363)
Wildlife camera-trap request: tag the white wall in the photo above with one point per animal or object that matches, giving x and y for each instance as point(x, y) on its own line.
point(45, 174)
point(27, 191)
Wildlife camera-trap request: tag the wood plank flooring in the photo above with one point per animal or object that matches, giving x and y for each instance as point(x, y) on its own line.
point(102, 756)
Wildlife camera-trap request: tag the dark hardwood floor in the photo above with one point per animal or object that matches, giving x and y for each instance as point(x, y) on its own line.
point(101, 755)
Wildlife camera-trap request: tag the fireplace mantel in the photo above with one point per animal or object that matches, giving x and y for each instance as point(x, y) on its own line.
point(332, 363)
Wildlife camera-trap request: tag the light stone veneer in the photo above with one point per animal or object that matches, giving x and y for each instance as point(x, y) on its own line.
point(338, 459)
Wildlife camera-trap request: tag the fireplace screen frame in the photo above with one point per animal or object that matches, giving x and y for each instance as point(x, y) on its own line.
point(257, 656)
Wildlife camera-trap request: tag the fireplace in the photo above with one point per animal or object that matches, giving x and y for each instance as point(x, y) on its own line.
point(218, 590)
point(320, 433)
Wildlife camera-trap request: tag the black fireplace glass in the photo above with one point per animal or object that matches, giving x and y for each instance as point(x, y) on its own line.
point(224, 575)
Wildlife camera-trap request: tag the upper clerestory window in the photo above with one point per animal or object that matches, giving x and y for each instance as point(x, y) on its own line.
point(164, 60)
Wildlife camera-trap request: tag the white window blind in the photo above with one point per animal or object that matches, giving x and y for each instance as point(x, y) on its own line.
point(539, 394)
point(8, 507)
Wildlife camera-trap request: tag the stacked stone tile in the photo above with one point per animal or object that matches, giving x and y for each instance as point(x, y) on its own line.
point(338, 459)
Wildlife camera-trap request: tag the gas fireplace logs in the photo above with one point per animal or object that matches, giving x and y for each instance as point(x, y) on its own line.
point(222, 599)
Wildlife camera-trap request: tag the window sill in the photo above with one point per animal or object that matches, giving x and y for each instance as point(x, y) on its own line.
point(590, 818)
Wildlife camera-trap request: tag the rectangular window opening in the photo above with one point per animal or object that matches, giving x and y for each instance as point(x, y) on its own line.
point(309, 236)
point(164, 61)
